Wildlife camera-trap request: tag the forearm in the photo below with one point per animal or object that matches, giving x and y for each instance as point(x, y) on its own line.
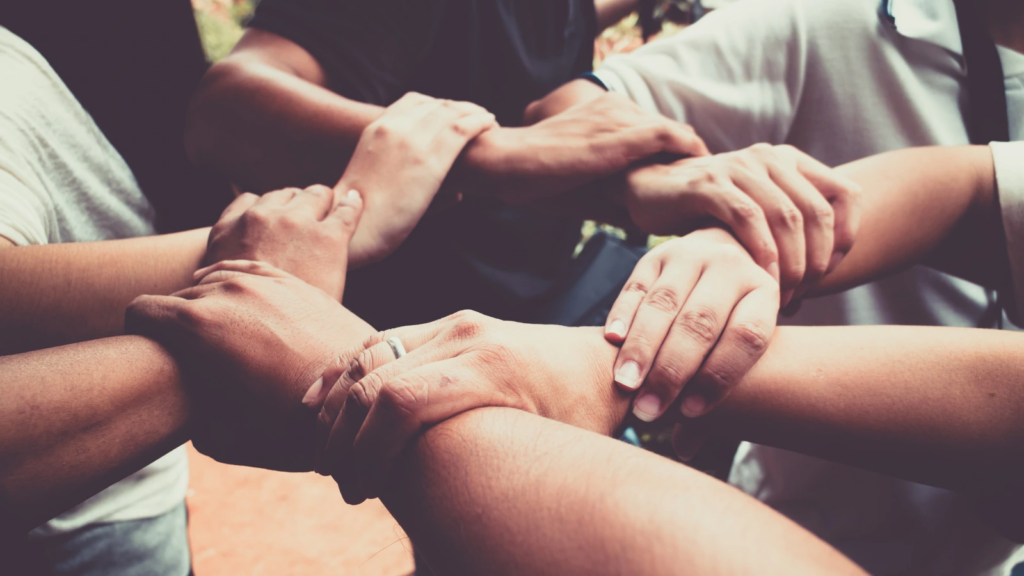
point(498, 491)
point(62, 293)
point(924, 205)
point(935, 405)
point(561, 99)
point(268, 129)
point(76, 419)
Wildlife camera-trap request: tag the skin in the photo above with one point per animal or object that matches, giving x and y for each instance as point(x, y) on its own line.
point(836, 393)
point(264, 117)
point(64, 293)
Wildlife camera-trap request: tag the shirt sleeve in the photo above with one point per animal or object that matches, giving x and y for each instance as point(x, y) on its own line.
point(1008, 158)
point(736, 75)
point(22, 216)
point(369, 49)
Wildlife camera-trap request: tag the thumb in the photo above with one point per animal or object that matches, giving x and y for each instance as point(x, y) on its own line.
point(345, 214)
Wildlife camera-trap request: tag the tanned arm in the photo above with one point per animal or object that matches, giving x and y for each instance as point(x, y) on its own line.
point(63, 293)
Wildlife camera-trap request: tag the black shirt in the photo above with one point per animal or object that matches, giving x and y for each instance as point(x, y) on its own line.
point(500, 54)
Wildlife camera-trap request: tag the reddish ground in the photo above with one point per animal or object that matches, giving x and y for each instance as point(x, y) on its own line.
point(256, 522)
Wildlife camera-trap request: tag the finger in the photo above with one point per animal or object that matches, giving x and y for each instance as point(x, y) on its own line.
point(344, 216)
point(681, 139)
point(469, 127)
point(363, 381)
point(407, 405)
point(786, 223)
point(238, 207)
point(742, 344)
point(652, 324)
point(818, 217)
point(693, 332)
point(342, 469)
point(746, 219)
point(620, 317)
point(654, 316)
point(229, 268)
point(361, 365)
point(315, 202)
point(278, 197)
point(443, 336)
point(842, 193)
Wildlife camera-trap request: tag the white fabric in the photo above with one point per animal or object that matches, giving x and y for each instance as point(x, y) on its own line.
point(1009, 165)
point(62, 181)
point(840, 81)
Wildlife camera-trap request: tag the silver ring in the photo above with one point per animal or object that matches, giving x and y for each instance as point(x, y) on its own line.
point(396, 347)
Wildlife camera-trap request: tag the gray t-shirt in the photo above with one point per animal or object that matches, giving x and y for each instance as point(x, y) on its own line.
point(62, 181)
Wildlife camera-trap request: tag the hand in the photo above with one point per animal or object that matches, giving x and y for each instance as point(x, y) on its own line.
point(796, 216)
point(378, 404)
point(399, 164)
point(588, 141)
point(695, 307)
point(251, 338)
point(304, 232)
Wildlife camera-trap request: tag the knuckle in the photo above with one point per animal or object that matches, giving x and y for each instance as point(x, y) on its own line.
point(700, 324)
point(664, 299)
point(788, 216)
point(257, 216)
point(405, 395)
point(752, 336)
point(669, 375)
point(364, 392)
point(467, 325)
point(747, 211)
point(319, 190)
point(635, 287)
point(822, 213)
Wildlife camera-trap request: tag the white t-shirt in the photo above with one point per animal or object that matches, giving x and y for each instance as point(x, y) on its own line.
point(841, 81)
point(62, 181)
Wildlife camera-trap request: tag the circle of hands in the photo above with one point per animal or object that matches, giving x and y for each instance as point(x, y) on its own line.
point(284, 377)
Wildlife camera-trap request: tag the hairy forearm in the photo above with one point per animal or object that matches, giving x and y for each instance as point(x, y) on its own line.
point(935, 405)
point(63, 293)
point(925, 205)
point(268, 129)
point(498, 491)
point(77, 418)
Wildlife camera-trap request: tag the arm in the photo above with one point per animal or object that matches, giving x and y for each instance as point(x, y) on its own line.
point(498, 491)
point(264, 117)
point(61, 293)
point(76, 419)
point(933, 205)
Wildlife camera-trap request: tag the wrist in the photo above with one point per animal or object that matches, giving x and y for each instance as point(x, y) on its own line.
point(601, 406)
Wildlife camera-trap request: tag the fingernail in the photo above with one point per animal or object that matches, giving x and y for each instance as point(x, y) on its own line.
point(351, 197)
point(647, 407)
point(313, 393)
point(834, 261)
point(694, 405)
point(628, 375)
point(617, 328)
point(773, 270)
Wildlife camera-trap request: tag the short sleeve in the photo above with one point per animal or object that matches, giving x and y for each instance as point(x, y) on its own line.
point(369, 49)
point(1008, 158)
point(23, 212)
point(735, 76)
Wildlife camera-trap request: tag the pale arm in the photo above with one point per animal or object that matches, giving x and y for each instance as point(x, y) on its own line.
point(935, 405)
point(499, 491)
point(61, 293)
point(935, 206)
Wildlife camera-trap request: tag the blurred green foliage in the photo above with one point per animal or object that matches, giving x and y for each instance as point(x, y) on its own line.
point(220, 24)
